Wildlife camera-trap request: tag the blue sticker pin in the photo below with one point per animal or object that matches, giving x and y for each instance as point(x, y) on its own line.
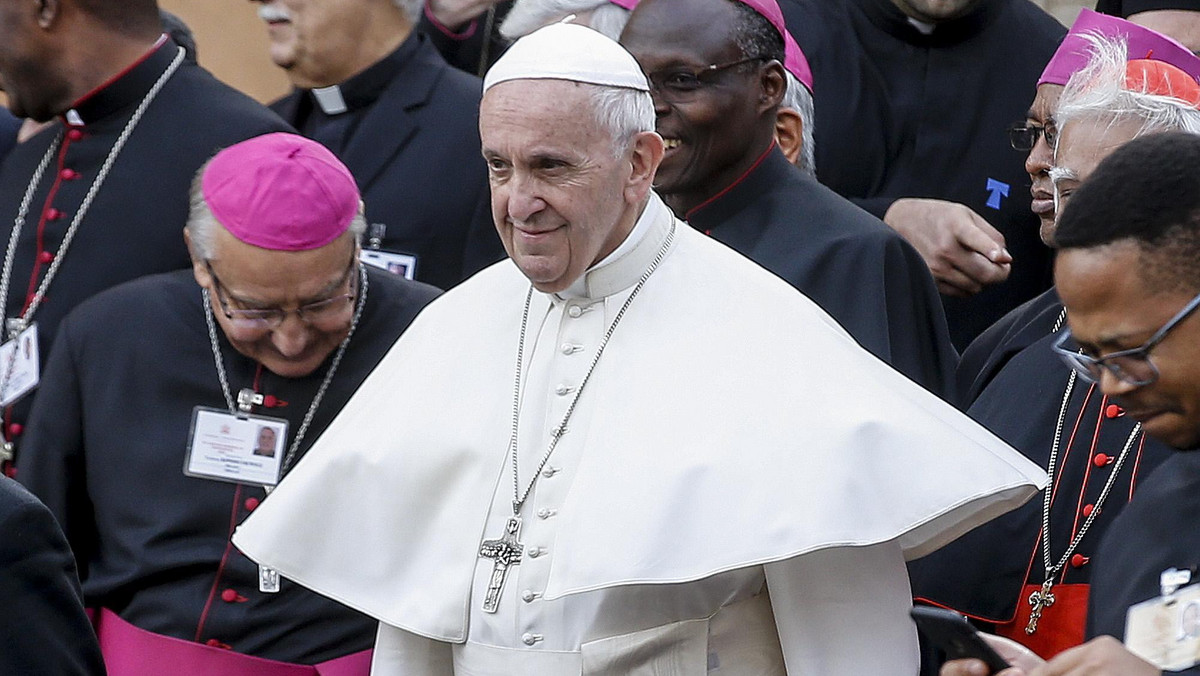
point(998, 190)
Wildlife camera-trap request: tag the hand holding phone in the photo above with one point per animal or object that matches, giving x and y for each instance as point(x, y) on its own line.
point(951, 632)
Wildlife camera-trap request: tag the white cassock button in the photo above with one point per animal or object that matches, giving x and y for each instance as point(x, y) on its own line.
point(530, 639)
point(528, 596)
point(549, 471)
point(535, 552)
point(545, 513)
point(574, 311)
point(568, 348)
point(562, 390)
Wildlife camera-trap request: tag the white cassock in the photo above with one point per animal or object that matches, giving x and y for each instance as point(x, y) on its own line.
point(736, 494)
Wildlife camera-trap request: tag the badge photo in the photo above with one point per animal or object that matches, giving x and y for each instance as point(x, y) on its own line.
point(241, 449)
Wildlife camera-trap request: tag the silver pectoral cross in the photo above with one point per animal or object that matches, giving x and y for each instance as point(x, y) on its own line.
point(1040, 600)
point(14, 326)
point(507, 552)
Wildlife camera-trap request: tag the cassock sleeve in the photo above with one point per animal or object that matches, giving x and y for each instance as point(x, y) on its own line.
point(51, 461)
point(844, 612)
point(43, 627)
point(402, 653)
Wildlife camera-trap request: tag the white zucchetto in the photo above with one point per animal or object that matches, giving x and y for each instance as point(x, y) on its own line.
point(568, 51)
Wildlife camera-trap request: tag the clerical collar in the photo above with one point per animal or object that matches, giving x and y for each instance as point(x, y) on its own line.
point(363, 89)
point(622, 268)
point(125, 89)
point(888, 17)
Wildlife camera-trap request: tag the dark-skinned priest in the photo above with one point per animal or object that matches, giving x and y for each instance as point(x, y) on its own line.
point(717, 79)
point(627, 449)
point(147, 440)
point(98, 196)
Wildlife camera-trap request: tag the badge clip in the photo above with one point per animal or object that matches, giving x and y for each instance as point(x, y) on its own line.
point(375, 234)
point(1172, 579)
point(246, 400)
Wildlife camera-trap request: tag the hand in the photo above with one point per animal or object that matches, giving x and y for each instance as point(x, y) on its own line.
point(963, 251)
point(1021, 658)
point(1104, 656)
point(454, 14)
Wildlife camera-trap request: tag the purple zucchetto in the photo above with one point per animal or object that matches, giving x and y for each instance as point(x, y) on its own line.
point(281, 192)
point(1143, 43)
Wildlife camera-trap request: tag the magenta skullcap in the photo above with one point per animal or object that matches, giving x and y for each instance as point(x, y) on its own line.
point(625, 4)
point(1072, 54)
point(281, 192)
point(795, 63)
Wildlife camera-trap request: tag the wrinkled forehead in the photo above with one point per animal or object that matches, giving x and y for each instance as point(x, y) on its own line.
point(1085, 141)
point(663, 33)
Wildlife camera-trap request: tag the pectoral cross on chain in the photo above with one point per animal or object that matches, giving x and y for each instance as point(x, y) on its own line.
point(1040, 600)
point(507, 552)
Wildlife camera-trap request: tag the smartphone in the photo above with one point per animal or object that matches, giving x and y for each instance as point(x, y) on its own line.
point(951, 632)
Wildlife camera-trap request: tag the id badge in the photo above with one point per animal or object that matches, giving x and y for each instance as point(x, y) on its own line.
point(19, 370)
point(400, 264)
point(1165, 631)
point(244, 450)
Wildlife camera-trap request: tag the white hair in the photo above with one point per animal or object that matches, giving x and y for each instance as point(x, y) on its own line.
point(623, 112)
point(526, 16)
point(1100, 90)
point(798, 98)
point(202, 224)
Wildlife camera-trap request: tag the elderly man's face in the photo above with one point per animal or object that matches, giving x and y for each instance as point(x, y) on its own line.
point(32, 88)
point(1083, 144)
point(316, 41)
point(559, 196)
point(1041, 158)
point(708, 131)
point(246, 277)
point(933, 11)
point(1110, 308)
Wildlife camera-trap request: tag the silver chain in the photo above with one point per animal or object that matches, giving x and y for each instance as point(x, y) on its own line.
point(520, 496)
point(312, 408)
point(18, 224)
point(1053, 570)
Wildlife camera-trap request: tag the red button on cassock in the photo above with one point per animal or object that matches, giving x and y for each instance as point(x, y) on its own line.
point(53, 214)
point(251, 504)
point(1101, 460)
point(229, 596)
point(1079, 561)
point(68, 174)
point(15, 429)
point(45, 257)
point(75, 134)
point(1113, 411)
point(1088, 509)
point(212, 642)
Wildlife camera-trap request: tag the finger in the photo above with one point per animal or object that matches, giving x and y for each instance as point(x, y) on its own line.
point(954, 283)
point(971, 667)
point(979, 236)
point(981, 271)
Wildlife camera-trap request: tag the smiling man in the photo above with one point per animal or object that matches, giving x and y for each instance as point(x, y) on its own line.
point(579, 426)
point(211, 384)
point(371, 88)
point(717, 79)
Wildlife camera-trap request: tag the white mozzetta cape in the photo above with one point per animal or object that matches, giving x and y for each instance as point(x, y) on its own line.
point(732, 423)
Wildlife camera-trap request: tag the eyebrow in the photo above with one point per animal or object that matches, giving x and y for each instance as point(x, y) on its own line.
point(1059, 174)
point(324, 294)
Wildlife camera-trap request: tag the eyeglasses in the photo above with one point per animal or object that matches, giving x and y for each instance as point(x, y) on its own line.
point(681, 84)
point(1023, 136)
point(1130, 366)
point(326, 314)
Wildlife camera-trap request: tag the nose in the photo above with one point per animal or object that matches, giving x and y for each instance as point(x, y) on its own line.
point(291, 337)
point(661, 107)
point(523, 199)
point(1040, 158)
point(1113, 386)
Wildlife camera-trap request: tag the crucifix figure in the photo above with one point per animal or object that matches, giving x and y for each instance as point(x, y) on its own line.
point(1040, 600)
point(507, 552)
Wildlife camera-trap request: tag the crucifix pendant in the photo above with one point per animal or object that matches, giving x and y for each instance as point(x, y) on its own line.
point(1040, 600)
point(6, 451)
point(507, 552)
point(14, 326)
point(268, 580)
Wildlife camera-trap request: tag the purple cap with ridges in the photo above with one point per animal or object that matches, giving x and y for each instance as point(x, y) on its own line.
point(1072, 54)
point(281, 192)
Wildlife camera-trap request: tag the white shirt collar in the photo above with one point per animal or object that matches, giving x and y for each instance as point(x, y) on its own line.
point(623, 267)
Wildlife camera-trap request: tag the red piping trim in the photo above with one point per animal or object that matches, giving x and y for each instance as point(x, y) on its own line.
point(470, 30)
point(212, 592)
point(731, 186)
point(162, 40)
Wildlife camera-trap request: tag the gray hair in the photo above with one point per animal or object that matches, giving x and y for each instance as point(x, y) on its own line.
point(623, 112)
point(1099, 91)
point(202, 224)
point(798, 98)
point(526, 16)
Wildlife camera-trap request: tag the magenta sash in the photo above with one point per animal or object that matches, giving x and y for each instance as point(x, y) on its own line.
point(130, 651)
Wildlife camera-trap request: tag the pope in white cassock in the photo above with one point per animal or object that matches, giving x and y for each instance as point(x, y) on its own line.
point(628, 449)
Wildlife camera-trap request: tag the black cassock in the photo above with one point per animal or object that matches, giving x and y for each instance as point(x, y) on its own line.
point(8, 131)
point(1156, 532)
point(106, 447)
point(43, 627)
point(1013, 383)
point(410, 136)
point(135, 224)
point(855, 267)
point(903, 114)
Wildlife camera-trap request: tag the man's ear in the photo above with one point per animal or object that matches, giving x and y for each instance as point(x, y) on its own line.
point(789, 133)
point(47, 12)
point(199, 269)
point(772, 86)
point(644, 156)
